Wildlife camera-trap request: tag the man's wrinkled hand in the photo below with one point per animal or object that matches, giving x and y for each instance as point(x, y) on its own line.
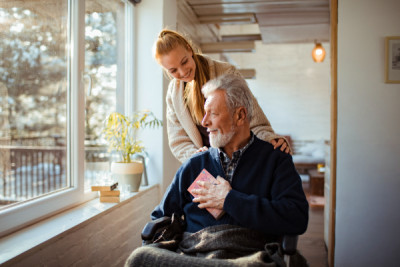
point(212, 195)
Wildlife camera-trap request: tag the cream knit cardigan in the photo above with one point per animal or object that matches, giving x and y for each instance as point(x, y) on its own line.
point(183, 135)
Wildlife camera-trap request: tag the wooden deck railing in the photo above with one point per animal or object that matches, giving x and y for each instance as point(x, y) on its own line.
point(30, 171)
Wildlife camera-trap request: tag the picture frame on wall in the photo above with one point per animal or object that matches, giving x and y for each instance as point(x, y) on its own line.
point(392, 59)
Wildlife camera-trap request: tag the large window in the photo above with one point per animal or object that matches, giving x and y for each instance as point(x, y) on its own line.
point(33, 100)
point(62, 70)
point(104, 72)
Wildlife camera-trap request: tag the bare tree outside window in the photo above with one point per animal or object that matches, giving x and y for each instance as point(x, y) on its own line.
point(33, 93)
point(33, 81)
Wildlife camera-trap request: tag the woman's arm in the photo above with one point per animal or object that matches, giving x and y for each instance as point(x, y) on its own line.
point(182, 147)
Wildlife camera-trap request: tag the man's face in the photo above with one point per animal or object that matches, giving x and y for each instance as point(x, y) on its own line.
point(218, 119)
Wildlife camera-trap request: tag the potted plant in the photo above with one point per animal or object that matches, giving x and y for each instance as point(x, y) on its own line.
point(120, 132)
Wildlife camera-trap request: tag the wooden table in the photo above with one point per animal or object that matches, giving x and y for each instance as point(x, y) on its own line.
point(316, 182)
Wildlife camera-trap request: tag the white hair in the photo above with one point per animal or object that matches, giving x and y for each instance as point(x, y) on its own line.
point(237, 92)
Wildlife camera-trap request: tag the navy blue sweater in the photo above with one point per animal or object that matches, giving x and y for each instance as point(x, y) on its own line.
point(266, 195)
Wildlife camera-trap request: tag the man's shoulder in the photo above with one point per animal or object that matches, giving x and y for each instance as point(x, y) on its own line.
point(201, 159)
point(202, 156)
point(267, 149)
point(261, 144)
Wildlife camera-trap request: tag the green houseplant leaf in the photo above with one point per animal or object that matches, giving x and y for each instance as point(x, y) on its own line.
point(120, 132)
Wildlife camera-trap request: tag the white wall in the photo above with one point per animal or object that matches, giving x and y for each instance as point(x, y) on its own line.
point(149, 90)
point(171, 164)
point(291, 88)
point(151, 86)
point(368, 145)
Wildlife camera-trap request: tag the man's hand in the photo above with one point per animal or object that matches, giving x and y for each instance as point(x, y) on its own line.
point(212, 195)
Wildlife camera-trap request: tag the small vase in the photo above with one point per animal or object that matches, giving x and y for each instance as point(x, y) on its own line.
point(128, 174)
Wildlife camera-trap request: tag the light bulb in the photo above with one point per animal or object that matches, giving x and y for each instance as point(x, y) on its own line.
point(318, 53)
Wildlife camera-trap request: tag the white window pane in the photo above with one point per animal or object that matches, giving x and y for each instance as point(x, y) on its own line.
point(33, 99)
point(104, 68)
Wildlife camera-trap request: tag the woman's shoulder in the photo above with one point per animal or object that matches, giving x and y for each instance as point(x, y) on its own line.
point(173, 84)
point(218, 67)
point(215, 62)
point(173, 87)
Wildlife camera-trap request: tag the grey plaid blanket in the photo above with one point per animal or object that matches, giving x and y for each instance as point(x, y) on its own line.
point(222, 245)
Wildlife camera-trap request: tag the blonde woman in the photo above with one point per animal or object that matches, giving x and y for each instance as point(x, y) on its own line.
point(189, 71)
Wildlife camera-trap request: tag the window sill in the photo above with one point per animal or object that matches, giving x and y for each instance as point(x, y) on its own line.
point(59, 225)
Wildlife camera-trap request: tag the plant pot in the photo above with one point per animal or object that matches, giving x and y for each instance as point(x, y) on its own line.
point(128, 174)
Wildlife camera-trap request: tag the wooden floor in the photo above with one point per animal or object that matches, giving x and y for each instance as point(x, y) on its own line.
point(311, 244)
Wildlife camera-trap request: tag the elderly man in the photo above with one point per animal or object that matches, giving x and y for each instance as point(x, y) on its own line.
point(257, 187)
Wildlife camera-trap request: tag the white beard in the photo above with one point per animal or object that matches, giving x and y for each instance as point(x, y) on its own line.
point(220, 140)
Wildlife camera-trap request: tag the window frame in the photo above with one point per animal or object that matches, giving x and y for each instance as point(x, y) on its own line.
point(31, 211)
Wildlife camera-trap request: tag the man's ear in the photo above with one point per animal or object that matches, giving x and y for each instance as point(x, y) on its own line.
point(241, 115)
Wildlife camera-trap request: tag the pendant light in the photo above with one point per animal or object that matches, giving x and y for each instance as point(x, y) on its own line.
point(318, 53)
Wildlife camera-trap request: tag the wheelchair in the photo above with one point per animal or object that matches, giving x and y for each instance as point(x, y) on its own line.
point(287, 243)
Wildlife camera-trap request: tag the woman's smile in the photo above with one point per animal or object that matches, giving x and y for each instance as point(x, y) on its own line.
point(187, 75)
point(179, 63)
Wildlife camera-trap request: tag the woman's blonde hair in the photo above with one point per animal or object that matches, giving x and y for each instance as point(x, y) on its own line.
point(167, 41)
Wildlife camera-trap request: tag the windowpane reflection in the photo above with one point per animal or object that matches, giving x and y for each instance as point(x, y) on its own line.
point(33, 99)
point(104, 68)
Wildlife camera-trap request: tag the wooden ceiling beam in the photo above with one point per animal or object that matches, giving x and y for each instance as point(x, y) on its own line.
point(279, 21)
point(228, 47)
point(235, 18)
point(259, 7)
point(293, 18)
point(295, 34)
point(208, 2)
point(248, 73)
point(240, 37)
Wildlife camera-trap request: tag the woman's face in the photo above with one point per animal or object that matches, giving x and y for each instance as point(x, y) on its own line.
point(179, 63)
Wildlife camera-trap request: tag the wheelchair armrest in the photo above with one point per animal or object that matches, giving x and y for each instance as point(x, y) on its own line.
point(151, 227)
point(289, 244)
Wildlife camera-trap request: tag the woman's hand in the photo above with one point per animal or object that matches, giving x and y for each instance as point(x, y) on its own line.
point(201, 149)
point(281, 143)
